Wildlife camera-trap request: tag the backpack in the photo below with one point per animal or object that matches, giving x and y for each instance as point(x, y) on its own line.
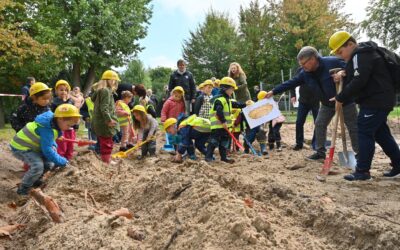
point(392, 61)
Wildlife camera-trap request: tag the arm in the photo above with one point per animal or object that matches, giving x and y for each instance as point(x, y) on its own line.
point(220, 111)
point(164, 111)
point(153, 126)
point(46, 144)
point(290, 84)
point(104, 99)
point(119, 110)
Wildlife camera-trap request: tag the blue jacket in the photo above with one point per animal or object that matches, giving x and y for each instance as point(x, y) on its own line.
point(47, 140)
point(319, 81)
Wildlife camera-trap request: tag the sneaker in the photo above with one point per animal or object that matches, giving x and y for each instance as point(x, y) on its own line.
point(279, 149)
point(23, 190)
point(122, 149)
point(264, 152)
point(271, 146)
point(393, 173)
point(316, 157)
point(358, 176)
point(193, 157)
point(37, 183)
point(297, 147)
point(227, 160)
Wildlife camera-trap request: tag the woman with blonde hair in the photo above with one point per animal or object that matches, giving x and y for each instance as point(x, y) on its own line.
point(236, 73)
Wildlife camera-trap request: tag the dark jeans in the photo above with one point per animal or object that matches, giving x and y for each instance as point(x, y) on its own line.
point(302, 112)
point(218, 138)
point(372, 127)
point(188, 135)
point(274, 134)
point(251, 135)
point(149, 147)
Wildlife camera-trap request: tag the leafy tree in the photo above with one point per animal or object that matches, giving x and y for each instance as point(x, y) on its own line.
point(211, 47)
point(94, 34)
point(136, 73)
point(159, 78)
point(383, 21)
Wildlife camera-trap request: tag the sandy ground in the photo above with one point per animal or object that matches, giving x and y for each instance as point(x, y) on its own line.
point(256, 203)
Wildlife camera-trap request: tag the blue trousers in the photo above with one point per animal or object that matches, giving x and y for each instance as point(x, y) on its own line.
point(372, 127)
point(302, 112)
point(188, 134)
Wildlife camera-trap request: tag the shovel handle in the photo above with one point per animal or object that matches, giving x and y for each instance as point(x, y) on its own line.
point(234, 139)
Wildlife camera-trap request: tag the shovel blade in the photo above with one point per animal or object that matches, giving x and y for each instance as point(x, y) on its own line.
point(348, 160)
point(120, 154)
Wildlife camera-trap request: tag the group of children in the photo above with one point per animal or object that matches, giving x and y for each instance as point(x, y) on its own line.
point(46, 125)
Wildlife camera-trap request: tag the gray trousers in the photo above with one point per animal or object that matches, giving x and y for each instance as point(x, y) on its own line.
point(325, 116)
point(188, 106)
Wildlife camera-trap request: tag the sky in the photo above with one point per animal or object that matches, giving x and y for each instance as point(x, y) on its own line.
point(173, 20)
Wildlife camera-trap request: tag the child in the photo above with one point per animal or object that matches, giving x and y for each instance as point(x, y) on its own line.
point(192, 128)
point(62, 89)
point(34, 144)
point(149, 105)
point(36, 104)
point(220, 117)
point(175, 105)
point(251, 133)
point(125, 120)
point(237, 126)
point(105, 123)
point(202, 105)
point(146, 127)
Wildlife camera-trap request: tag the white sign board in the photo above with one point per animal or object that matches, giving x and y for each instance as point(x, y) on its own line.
point(261, 112)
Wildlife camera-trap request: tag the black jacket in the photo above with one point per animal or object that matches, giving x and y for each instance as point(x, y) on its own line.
point(368, 79)
point(186, 81)
point(25, 113)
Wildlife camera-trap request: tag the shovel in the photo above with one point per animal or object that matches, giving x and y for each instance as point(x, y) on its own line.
point(168, 147)
point(346, 158)
point(240, 146)
point(253, 150)
point(124, 154)
point(80, 143)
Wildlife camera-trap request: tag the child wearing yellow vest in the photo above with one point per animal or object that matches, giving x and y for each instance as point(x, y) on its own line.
point(35, 143)
point(125, 120)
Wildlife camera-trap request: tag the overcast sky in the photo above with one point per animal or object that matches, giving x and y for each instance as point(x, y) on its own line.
point(173, 19)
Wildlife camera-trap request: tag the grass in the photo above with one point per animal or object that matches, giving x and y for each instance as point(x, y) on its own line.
point(395, 113)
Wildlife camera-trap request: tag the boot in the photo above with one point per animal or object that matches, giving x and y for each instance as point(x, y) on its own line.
point(278, 146)
point(246, 149)
point(106, 158)
point(210, 152)
point(271, 145)
point(263, 148)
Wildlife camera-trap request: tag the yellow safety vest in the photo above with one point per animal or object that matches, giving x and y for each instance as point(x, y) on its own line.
point(198, 123)
point(215, 123)
point(28, 139)
point(124, 120)
point(235, 115)
point(90, 106)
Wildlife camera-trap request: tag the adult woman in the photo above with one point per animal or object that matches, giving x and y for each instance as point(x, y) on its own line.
point(236, 73)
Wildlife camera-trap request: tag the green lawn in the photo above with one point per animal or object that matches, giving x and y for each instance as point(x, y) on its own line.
point(395, 112)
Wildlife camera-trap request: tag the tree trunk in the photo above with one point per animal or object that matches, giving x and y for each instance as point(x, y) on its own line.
point(91, 76)
point(76, 75)
point(2, 121)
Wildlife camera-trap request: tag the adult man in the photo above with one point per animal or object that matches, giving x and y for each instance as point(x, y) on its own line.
point(25, 89)
point(315, 73)
point(368, 80)
point(182, 77)
point(308, 101)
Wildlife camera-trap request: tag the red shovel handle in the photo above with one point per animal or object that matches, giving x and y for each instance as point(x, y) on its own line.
point(79, 142)
point(235, 140)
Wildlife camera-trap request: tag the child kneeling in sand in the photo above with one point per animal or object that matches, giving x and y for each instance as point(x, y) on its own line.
point(146, 127)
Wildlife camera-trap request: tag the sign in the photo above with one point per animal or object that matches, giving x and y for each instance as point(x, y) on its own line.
point(261, 112)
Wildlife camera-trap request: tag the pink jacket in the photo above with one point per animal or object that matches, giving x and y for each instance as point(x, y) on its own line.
point(172, 108)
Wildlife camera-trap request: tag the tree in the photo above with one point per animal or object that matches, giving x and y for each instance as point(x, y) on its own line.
point(159, 78)
point(212, 47)
point(94, 34)
point(136, 73)
point(383, 22)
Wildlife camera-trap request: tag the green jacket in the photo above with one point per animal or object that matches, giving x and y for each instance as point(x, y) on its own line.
point(103, 113)
point(242, 94)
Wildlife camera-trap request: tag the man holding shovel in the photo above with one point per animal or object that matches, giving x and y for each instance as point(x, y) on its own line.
point(315, 74)
point(368, 80)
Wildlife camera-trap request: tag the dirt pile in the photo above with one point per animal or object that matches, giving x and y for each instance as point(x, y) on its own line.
point(256, 203)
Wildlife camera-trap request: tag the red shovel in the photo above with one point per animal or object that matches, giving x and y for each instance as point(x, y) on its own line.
point(80, 143)
point(235, 140)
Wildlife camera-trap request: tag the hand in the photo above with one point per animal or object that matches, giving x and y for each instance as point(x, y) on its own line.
point(225, 126)
point(293, 100)
point(338, 76)
point(269, 94)
point(178, 157)
point(112, 123)
point(193, 100)
point(338, 105)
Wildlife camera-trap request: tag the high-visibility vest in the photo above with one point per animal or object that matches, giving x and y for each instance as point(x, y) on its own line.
point(124, 120)
point(227, 107)
point(235, 114)
point(28, 139)
point(198, 123)
point(90, 106)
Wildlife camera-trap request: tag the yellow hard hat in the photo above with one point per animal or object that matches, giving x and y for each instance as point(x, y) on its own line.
point(249, 102)
point(261, 95)
point(337, 40)
point(110, 75)
point(217, 81)
point(63, 82)
point(208, 82)
point(178, 88)
point(38, 87)
point(201, 85)
point(169, 122)
point(139, 108)
point(66, 110)
point(227, 81)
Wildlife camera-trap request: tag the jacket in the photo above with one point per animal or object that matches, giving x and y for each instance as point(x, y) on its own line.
point(151, 126)
point(319, 81)
point(368, 79)
point(45, 132)
point(199, 104)
point(25, 113)
point(103, 113)
point(57, 102)
point(186, 81)
point(242, 93)
point(172, 108)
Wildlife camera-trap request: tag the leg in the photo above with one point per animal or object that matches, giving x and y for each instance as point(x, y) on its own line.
point(125, 136)
point(302, 112)
point(223, 146)
point(212, 144)
point(271, 139)
point(70, 134)
point(188, 105)
point(324, 117)
point(62, 145)
point(314, 111)
point(200, 141)
point(350, 119)
point(106, 145)
point(145, 147)
point(277, 135)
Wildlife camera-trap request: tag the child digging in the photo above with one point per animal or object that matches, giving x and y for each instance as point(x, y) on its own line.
point(146, 127)
point(105, 123)
point(221, 120)
point(34, 144)
point(62, 89)
point(125, 120)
